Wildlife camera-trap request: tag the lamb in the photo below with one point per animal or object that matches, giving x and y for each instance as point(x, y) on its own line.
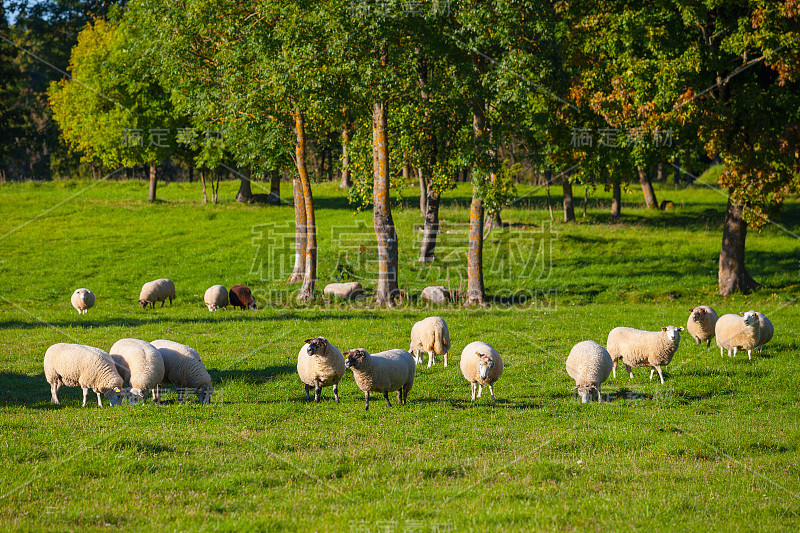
point(701, 323)
point(392, 370)
point(766, 330)
point(346, 291)
point(589, 364)
point(82, 300)
point(184, 369)
point(320, 364)
point(481, 365)
point(216, 297)
point(157, 291)
point(643, 348)
point(735, 332)
point(430, 335)
point(77, 365)
point(240, 296)
point(140, 364)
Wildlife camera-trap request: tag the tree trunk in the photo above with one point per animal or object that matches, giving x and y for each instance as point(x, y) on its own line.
point(733, 275)
point(431, 228)
point(203, 181)
point(275, 185)
point(191, 174)
point(299, 233)
point(475, 289)
point(660, 172)
point(616, 198)
point(347, 180)
point(423, 194)
point(647, 188)
point(385, 232)
point(585, 199)
point(310, 274)
point(215, 179)
point(151, 197)
point(569, 208)
point(547, 176)
point(245, 193)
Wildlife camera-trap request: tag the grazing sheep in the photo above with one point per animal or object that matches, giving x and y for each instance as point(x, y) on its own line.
point(481, 365)
point(437, 294)
point(765, 330)
point(157, 291)
point(184, 369)
point(392, 370)
point(430, 335)
point(140, 364)
point(589, 364)
point(738, 332)
point(76, 365)
point(643, 348)
point(216, 297)
point(82, 300)
point(320, 364)
point(240, 296)
point(346, 291)
point(701, 324)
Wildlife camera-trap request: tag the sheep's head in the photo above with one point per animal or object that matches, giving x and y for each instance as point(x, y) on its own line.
point(203, 393)
point(316, 345)
point(135, 396)
point(114, 396)
point(485, 364)
point(673, 333)
point(355, 358)
point(143, 303)
point(585, 392)
point(750, 318)
point(252, 304)
point(698, 313)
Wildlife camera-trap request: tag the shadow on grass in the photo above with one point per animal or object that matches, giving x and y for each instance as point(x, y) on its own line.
point(22, 389)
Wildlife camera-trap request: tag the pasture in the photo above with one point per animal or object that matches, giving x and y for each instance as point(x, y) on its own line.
point(715, 447)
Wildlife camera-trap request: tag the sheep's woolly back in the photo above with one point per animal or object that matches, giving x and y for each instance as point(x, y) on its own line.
point(589, 363)
point(430, 335)
point(469, 363)
point(327, 368)
point(140, 361)
point(216, 297)
point(77, 365)
point(765, 329)
point(157, 290)
point(385, 371)
point(637, 347)
point(701, 323)
point(732, 332)
point(82, 299)
point(182, 365)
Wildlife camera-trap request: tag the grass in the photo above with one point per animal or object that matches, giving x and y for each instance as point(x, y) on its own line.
point(715, 447)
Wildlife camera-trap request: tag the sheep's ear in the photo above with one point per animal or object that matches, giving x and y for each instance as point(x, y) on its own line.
point(681, 328)
point(691, 309)
point(741, 314)
point(663, 329)
point(308, 341)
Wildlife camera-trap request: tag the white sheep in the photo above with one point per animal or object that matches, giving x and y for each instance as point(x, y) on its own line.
point(320, 364)
point(392, 370)
point(184, 369)
point(481, 365)
point(82, 300)
point(140, 364)
point(348, 291)
point(738, 332)
point(589, 364)
point(430, 335)
point(643, 348)
point(701, 324)
point(77, 365)
point(157, 291)
point(765, 330)
point(216, 297)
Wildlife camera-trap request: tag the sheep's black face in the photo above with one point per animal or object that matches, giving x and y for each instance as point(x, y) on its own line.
point(316, 345)
point(355, 358)
point(143, 303)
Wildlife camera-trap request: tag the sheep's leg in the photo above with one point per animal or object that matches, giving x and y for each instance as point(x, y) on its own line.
point(179, 391)
point(480, 390)
point(163, 302)
point(400, 397)
point(85, 396)
point(660, 374)
point(599, 396)
point(630, 372)
point(614, 368)
point(54, 392)
point(417, 357)
point(445, 359)
point(386, 395)
point(308, 397)
point(652, 370)
point(491, 391)
point(99, 400)
point(366, 401)
point(735, 349)
point(170, 300)
point(406, 390)
point(708, 343)
point(317, 393)
point(474, 387)
point(697, 340)
point(430, 359)
point(749, 354)
point(721, 351)
point(336, 392)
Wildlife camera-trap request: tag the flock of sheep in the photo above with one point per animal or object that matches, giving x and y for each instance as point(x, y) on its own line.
point(145, 366)
point(589, 364)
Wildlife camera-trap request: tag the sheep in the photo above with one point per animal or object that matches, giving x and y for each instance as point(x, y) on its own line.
point(589, 364)
point(140, 364)
point(346, 291)
point(392, 370)
point(481, 365)
point(701, 323)
point(82, 300)
point(157, 291)
point(320, 364)
point(735, 332)
point(216, 297)
point(765, 329)
point(643, 348)
point(184, 369)
point(77, 365)
point(437, 294)
point(240, 296)
point(430, 335)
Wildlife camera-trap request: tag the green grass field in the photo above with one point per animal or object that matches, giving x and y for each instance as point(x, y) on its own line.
point(714, 448)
